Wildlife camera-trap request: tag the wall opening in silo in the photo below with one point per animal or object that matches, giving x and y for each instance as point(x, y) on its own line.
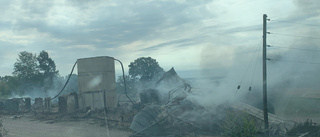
point(97, 85)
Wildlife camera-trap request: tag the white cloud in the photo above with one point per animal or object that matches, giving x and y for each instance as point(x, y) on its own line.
point(84, 47)
point(169, 31)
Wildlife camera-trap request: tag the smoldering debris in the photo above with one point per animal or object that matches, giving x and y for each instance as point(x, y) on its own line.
point(174, 114)
point(173, 119)
point(179, 115)
point(150, 96)
point(305, 129)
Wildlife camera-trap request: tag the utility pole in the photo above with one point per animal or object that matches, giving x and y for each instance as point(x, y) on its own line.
point(264, 77)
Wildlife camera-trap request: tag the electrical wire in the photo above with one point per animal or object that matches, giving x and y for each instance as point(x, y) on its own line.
point(66, 81)
point(245, 73)
point(124, 82)
point(290, 35)
point(291, 22)
point(313, 50)
point(106, 112)
point(254, 70)
point(314, 63)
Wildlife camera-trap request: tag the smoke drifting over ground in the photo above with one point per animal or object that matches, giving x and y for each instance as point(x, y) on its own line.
point(35, 90)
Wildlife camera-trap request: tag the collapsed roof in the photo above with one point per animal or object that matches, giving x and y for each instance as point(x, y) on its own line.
point(170, 80)
point(180, 115)
point(168, 88)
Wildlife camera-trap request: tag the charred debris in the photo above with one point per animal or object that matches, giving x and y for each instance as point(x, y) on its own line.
point(166, 109)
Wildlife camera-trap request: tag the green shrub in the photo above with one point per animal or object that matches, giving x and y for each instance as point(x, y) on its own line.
point(3, 131)
point(240, 125)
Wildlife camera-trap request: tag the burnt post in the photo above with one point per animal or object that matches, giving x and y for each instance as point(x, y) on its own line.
point(38, 103)
point(47, 103)
point(1, 105)
point(27, 103)
point(76, 99)
point(62, 104)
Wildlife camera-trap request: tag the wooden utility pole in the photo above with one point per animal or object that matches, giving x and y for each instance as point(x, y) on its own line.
point(264, 77)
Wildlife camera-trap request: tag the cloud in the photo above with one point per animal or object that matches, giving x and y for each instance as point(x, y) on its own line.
point(72, 29)
point(104, 24)
point(85, 47)
point(310, 7)
point(179, 43)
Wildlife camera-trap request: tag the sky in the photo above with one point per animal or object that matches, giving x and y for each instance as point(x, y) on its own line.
point(205, 38)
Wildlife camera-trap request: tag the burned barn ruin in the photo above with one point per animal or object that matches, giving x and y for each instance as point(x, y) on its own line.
point(167, 108)
point(170, 110)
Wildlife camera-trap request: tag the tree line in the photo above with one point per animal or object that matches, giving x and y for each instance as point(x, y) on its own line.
point(32, 72)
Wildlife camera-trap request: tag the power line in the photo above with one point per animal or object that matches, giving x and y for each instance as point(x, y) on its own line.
point(294, 35)
point(312, 50)
point(296, 23)
point(64, 86)
point(245, 73)
point(254, 70)
point(315, 63)
point(125, 85)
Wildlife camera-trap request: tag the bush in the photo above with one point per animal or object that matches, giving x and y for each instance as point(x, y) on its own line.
point(3, 131)
point(241, 125)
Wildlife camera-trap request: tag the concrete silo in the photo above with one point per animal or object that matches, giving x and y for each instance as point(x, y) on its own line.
point(97, 87)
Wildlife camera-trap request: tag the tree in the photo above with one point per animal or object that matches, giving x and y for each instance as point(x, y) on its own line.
point(26, 67)
point(34, 72)
point(130, 82)
point(9, 84)
point(145, 69)
point(47, 66)
point(47, 69)
point(4, 88)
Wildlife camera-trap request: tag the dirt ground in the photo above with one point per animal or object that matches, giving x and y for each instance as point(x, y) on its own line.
point(26, 126)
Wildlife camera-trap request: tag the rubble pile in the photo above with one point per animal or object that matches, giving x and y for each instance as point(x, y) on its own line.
point(174, 119)
point(305, 129)
point(168, 112)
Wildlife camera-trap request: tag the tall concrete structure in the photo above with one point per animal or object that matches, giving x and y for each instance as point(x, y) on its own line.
point(97, 86)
